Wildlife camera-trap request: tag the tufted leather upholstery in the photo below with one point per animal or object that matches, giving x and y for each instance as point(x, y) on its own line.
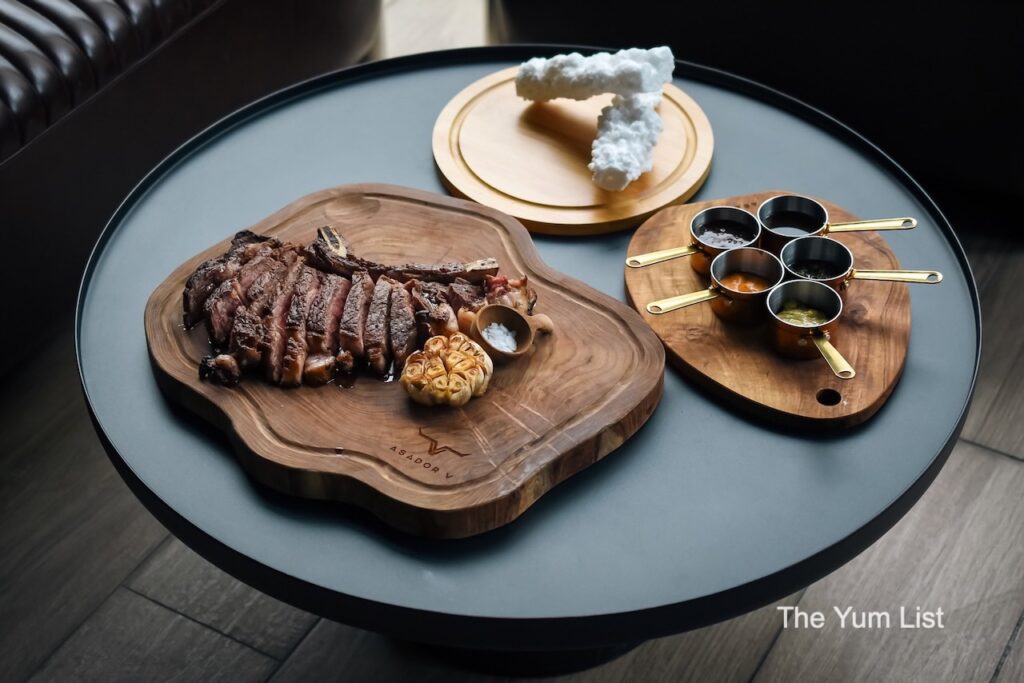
point(93, 93)
point(55, 54)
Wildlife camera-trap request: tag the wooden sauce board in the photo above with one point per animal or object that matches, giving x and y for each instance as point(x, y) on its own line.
point(737, 364)
point(530, 159)
point(441, 472)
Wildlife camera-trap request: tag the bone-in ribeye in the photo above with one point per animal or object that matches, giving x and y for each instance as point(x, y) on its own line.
point(302, 314)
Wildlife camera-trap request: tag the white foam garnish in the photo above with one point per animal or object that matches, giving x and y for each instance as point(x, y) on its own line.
point(500, 337)
point(626, 72)
point(627, 131)
point(629, 128)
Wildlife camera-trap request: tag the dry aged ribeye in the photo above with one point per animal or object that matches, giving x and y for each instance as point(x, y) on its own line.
point(401, 327)
point(322, 329)
point(302, 314)
point(274, 333)
point(306, 288)
point(375, 337)
point(247, 330)
point(212, 272)
point(330, 252)
point(353, 321)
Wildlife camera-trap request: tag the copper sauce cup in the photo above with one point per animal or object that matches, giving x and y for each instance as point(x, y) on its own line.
point(729, 304)
point(786, 217)
point(836, 262)
point(808, 341)
point(738, 221)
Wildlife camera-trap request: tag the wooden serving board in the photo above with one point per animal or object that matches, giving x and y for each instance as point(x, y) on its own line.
point(530, 159)
point(737, 364)
point(441, 472)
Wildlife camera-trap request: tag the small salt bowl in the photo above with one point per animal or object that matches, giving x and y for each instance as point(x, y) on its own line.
point(510, 318)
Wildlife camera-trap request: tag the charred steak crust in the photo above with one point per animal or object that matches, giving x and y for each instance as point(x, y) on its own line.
point(212, 272)
point(375, 338)
point(274, 332)
point(353, 321)
point(219, 311)
point(401, 326)
point(247, 329)
point(463, 294)
point(294, 360)
point(330, 252)
point(322, 329)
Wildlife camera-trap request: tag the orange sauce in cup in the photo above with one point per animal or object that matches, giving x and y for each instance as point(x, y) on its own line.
point(745, 282)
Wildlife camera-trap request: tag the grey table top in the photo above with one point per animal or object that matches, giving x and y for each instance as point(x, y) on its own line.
point(701, 504)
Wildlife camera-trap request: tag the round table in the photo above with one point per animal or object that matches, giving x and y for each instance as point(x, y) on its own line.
point(700, 517)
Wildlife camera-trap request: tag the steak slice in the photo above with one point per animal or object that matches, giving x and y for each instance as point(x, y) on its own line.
point(220, 307)
point(331, 253)
point(294, 359)
point(401, 326)
point(322, 329)
point(378, 351)
point(220, 310)
point(247, 329)
point(212, 272)
point(274, 334)
point(353, 320)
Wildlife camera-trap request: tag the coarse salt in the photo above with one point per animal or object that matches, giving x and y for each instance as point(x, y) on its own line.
point(500, 337)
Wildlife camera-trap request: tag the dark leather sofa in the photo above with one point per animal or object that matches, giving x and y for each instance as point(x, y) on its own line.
point(936, 85)
point(93, 93)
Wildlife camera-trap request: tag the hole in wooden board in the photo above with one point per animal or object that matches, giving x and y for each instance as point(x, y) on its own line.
point(829, 397)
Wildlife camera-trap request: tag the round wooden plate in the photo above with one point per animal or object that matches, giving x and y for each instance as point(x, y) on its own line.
point(530, 160)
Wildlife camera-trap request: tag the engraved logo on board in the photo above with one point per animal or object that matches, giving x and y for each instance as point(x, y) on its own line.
point(435, 449)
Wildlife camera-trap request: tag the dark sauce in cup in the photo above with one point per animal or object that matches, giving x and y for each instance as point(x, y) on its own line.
point(792, 223)
point(814, 269)
point(725, 234)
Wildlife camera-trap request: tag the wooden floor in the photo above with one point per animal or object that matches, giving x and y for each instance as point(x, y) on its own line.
point(93, 588)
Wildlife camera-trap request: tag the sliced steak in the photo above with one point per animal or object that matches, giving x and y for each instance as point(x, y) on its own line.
point(219, 311)
point(322, 329)
point(247, 329)
point(246, 334)
point(306, 288)
point(353, 321)
point(274, 333)
point(401, 326)
point(212, 272)
point(331, 253)
point(378, 351)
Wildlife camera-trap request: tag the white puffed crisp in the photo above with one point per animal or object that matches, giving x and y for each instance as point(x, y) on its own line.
point(626, 72)
point(627, 131)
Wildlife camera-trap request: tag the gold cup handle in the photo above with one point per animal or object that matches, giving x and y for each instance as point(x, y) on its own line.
point(676, 302)
point(835, 360)
point(906, 223)
point(925, 277)
point(653, 257)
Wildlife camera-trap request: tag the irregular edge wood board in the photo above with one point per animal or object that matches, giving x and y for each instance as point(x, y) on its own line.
point(419, 514)
point(655, 233)
point(461, 181)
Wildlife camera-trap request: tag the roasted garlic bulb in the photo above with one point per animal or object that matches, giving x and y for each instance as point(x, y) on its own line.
point(448, 371)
